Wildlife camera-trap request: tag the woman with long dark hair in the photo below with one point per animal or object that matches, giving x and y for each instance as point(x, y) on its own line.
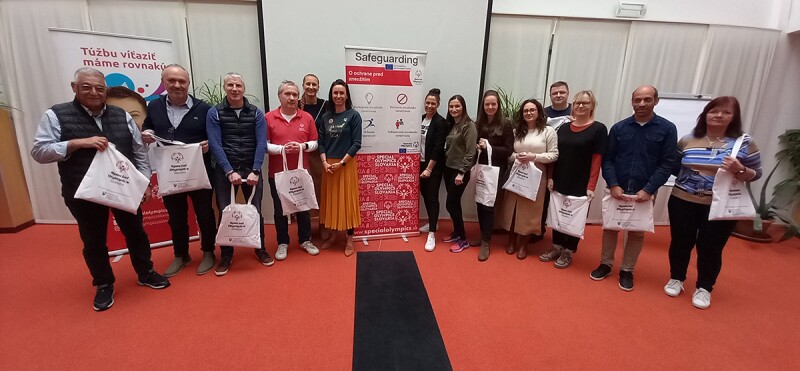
point(494, 130)
point(535, 144)
point(434, 134)
point(459, 156)
point(339, 141)
point(703, 152)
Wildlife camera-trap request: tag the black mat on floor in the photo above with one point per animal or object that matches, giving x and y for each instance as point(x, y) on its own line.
point(395, 328)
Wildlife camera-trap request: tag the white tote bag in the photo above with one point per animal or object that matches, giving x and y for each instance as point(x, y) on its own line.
point(239, 224)
point(567, 214)
point(179, 167)
point(524, 180)
point(295, 187)
point(112, 180)
point(730, 199)
point(627, 214)
point(486, 179)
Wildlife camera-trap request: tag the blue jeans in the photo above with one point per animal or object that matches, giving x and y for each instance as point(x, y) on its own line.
point(222, 189)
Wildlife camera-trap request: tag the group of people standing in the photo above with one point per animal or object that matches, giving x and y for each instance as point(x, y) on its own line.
point(565, 142)
point(235, 136)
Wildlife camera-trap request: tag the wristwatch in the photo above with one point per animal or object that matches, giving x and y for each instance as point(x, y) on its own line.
point(256, 172)
point(343, 163)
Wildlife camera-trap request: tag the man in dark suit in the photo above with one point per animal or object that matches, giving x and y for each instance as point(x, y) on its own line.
point(181, 117)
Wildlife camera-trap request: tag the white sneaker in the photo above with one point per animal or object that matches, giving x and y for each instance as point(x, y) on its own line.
point(281, 253)
point(673, 288)
point(431, 243)
point(425, 228)
point(701, 298)
point(310, 248)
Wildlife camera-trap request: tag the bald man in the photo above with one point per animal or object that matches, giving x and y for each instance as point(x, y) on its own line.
point(642, 150)
point(181, 117)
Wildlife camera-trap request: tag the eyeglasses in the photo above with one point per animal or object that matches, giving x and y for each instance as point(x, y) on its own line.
point(89, 87)
point(579, 104)
point(532, 110)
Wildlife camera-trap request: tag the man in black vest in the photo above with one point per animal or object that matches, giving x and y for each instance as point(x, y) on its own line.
point(181, 117)
point(70, 134)
point(237, 137)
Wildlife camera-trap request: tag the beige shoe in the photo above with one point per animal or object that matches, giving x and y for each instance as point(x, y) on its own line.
point(330, 240)
point(207, 263)
point(349, 247)
point(483, 255)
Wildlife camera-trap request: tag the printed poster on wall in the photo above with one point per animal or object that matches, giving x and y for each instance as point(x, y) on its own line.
point(136, 63)
point(387, 89)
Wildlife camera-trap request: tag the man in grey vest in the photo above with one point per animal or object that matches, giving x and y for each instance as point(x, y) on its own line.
point(70, 134)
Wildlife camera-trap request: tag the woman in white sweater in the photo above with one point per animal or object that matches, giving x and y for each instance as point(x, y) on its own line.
point(536, 144)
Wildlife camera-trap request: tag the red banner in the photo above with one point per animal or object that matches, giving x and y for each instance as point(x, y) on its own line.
point(388, 190)
point(362, 75)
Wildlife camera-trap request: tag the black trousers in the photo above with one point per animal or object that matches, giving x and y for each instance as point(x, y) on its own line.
point(544, 210)
point(178, 208)
point(222, 189)
point(429, 189)
point(453, 203)
point(93, 226)
point(566, 241)
point(282, 222)
point(690, 228)
point(486, 221)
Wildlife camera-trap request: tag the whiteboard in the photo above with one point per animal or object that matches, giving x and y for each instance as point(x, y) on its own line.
point(682, 111)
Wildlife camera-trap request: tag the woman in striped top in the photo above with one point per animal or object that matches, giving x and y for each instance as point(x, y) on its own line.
point(702, 153)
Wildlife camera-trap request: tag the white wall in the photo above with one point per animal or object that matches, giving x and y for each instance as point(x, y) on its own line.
point(793, 22)
point(753, 13)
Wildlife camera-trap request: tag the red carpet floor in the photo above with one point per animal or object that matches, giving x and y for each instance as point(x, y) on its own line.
point(503, 314)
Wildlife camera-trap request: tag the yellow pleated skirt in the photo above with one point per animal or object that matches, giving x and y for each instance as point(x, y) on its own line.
point(339, 207)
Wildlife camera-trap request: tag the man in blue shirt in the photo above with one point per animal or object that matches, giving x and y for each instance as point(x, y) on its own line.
point(642, 150)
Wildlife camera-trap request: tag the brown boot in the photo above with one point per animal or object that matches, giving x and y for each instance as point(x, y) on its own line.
point(522, 253)
point(512, 243)
point(484, 253)
point(349, 247)
point(332, 236)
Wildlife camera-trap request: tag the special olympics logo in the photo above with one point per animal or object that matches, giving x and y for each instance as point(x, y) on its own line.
point(567, 203)
point(523, 165)
point(403, 216)
point(480, 175)
point(177, 157)
point(236, 215)
point(122, 166)
point(387, 205)
point(294, 180)
point(404, 190)
point(405, 163)
point(734, 182)
point(388, 178)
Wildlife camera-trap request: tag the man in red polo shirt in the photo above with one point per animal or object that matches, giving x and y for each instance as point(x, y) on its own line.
point(289, 130)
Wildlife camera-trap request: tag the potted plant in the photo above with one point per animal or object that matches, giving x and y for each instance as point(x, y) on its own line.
point(785, 195)
point(509, 105)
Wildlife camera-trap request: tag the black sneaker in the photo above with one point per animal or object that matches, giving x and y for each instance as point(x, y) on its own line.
point(223, 266)
point(626, 280)
point(104, 298)
point(536, 238)
point(264, 258)
point(601, 272)
point(154, 280)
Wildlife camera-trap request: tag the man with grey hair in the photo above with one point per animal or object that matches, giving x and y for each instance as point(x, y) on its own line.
point(290, 130)
point(237, 138)
point(181, 117)
point(70, 134)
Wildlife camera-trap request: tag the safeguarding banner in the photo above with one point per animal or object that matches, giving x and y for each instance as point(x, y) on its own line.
point(136, 63)
point(387, 89)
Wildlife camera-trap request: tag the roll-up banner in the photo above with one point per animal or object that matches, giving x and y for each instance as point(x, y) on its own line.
point(387, 89)
point(136, 63)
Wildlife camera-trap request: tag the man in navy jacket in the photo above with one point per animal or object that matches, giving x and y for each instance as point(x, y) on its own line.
point(642, 150)
point(182, 117)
